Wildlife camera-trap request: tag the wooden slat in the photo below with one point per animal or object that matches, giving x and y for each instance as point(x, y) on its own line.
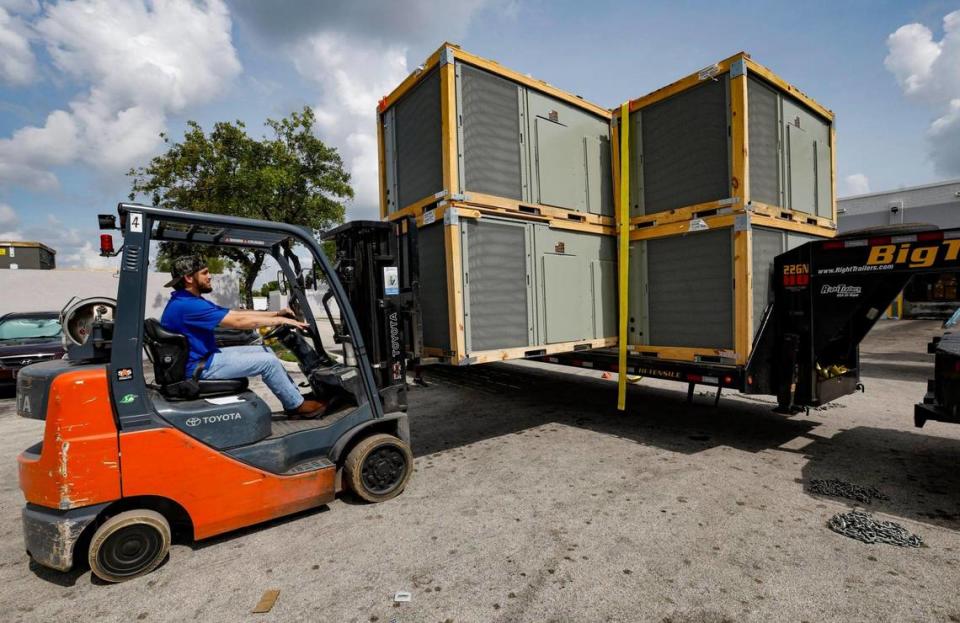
point(680, 85)
point(821, 226)
point(455, 290)
point(833, 171)
point(411, 81)
point(520, 352)
point(761, 220)
point(448, 128)
point(680, 227)
point(677, 353)
point(524, 207)
point(533, 83)
point(742, 293)
point(783, 85)
point(739, 141)
point(700, 210)
point(382, 171)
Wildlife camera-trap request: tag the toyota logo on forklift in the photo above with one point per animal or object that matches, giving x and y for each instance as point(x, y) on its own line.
point(175, 428)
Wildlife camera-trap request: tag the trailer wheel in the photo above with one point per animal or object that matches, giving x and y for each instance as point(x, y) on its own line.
point(378, 467)
point(129, 545)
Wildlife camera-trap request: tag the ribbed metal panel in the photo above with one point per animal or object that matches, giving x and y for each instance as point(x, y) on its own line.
point(418, 143)
point(690, 290)
point(763, 141)
point(684, 150)
point(433, 286)
point(491, 133)
point(497, 283)
point(767, 244)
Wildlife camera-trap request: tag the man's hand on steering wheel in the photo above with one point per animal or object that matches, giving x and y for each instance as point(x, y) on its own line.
point(285, 324)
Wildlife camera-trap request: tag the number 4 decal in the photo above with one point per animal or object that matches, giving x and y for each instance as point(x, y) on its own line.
point(136, 222)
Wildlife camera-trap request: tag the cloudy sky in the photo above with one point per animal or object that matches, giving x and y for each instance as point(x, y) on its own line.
point(86, 86)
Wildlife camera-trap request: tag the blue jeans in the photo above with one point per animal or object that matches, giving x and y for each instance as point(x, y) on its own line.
point(235, 362)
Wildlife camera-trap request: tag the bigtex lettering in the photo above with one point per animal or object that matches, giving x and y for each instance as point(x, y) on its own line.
point(914, 257)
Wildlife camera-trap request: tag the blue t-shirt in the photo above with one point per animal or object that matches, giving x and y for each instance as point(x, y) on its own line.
point(196, 318)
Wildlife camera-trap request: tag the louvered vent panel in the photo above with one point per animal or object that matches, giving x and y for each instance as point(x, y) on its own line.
point(763, 136)
point(691, 290)
point(433, 287)
point(497, 279)
point(685, 153)
point(491, 134)
point(418, 148)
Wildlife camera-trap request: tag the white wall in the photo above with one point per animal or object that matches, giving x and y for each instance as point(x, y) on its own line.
point(46, 290)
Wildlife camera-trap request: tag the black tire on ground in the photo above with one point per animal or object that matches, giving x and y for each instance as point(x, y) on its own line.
point(128, 545)
point(378, 467)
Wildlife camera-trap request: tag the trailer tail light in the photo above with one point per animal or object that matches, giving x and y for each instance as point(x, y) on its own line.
point(694, 378)
point(106, 245)
point(728, 380)
point(833, 245)
point(882, 240)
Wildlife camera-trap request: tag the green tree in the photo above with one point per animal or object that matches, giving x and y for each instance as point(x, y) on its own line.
point(269, 287)
point(291, 177)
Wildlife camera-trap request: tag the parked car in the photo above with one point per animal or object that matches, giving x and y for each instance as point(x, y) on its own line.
point(26, 338)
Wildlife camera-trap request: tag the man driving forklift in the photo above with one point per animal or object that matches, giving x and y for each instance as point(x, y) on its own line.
point(195, 317)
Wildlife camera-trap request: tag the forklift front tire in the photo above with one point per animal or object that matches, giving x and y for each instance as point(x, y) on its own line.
point(128, 545)
point(378, 467)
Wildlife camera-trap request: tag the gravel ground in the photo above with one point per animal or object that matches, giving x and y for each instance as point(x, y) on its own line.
point(534, 500)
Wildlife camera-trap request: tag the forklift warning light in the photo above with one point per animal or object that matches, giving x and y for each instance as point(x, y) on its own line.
point(106, 245)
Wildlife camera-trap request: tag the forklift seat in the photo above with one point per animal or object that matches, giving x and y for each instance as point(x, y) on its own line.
point(168, 351)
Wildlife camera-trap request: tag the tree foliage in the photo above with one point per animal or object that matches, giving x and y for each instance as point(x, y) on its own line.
point(291, 177)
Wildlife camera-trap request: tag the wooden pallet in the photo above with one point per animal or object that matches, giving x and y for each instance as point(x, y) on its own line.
point(523, 352)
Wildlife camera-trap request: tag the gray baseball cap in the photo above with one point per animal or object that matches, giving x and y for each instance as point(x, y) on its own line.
point(183, 266)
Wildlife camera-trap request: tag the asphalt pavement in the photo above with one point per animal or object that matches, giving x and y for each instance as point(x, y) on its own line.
point(535, 500)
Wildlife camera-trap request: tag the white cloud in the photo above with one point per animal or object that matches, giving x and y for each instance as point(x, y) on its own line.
point(141, 60)
point(357, 52)
point(351, 79)
point(928, 71)
point(75, 247)
point(856, 184)
point(944, 138)
point(8, 216)
point(17, 63)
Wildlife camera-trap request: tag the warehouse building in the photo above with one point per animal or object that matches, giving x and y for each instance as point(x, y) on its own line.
point(933, 204)
point(26, 255)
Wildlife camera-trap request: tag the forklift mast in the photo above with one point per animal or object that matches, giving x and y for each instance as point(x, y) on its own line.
point(377, 263)
point(827, 295)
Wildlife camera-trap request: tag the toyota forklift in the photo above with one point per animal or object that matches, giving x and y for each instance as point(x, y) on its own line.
point(127, 462)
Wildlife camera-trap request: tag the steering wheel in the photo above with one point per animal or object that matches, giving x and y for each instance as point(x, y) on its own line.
point(276, 331)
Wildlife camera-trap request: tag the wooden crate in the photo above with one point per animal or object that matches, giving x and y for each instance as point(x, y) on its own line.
point(733, 137)
point(463, 128)
point(496, 288)
point(698, 289)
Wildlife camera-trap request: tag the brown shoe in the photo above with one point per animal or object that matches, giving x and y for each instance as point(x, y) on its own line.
point(309, 410)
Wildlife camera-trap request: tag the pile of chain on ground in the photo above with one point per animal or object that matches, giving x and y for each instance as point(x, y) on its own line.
point(842, 489)
point(860, 526)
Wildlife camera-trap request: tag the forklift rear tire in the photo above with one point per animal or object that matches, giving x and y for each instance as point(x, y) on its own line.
point(378, 467)
point(128, 545)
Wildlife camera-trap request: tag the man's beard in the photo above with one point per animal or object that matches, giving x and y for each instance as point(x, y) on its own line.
point(206, 289)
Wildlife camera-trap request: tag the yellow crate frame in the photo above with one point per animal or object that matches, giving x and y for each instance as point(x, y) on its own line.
point(458, 354)
point(448, 130)
point(739, 199)
point(744, 329)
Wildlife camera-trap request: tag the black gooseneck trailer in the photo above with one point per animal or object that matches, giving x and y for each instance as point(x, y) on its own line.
point(827, 295)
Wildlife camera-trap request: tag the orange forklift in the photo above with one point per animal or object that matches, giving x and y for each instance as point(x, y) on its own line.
point(127, 464)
